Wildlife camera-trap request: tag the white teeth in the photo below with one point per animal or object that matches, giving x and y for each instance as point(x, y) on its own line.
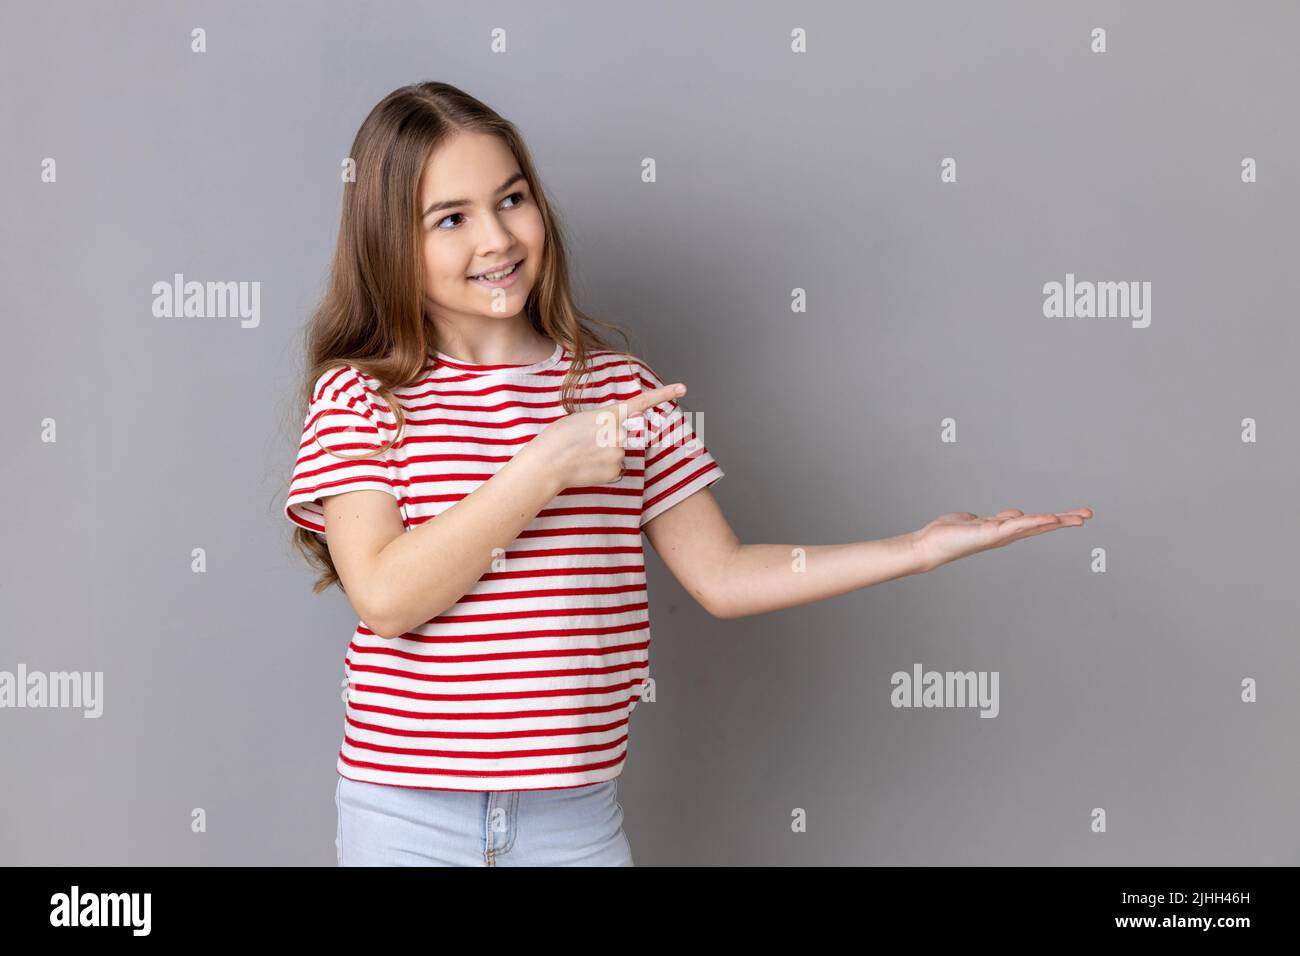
point(494, 276)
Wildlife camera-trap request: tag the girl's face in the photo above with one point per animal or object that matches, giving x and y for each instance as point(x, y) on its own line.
point(478, 215)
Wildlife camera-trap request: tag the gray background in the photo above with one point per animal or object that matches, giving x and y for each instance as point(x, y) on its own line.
point(820, 171)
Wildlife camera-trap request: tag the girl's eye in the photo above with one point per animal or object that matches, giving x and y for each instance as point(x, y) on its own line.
point(520, 196)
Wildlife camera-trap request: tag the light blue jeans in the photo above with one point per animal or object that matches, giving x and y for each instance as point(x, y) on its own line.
point(379, 825)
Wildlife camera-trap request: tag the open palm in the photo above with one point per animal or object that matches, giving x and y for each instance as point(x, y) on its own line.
point(961, 533)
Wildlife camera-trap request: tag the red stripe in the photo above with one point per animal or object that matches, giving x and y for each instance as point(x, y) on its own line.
point(543, 612)
point(493, 734)
point(552, 592)
point(503, 698)
point(481, 677)
point(355, 649)
point(551, 572)
point(486, 754)
point(580, 768)
point(513, 635)
point(488, 715)
point(586, 691)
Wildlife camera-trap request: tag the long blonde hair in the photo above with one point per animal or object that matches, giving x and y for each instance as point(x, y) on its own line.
point(372, 314)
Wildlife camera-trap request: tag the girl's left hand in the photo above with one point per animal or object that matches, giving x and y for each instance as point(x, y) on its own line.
point(960, 533)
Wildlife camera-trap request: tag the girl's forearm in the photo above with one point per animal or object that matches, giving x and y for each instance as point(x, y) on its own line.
point(768, 577)
point(430, 568)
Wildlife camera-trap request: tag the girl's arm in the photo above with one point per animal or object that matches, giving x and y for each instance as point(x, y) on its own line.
point(398, 579)
point(730, 579)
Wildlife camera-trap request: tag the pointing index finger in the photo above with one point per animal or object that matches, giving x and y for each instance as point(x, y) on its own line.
point(639, 403)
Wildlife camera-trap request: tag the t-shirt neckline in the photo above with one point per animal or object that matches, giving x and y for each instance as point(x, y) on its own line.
point(456, 366)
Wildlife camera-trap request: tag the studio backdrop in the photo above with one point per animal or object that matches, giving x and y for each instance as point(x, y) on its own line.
point(910, 258)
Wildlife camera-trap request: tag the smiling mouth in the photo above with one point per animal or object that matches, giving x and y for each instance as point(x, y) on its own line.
point(513, 269)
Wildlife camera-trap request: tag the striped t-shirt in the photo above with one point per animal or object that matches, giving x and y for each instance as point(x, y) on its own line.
point(528, 681)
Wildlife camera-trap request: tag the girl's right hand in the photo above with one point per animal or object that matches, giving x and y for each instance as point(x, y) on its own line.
point(586, 448)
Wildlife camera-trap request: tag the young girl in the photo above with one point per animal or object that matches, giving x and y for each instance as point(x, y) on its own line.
point(477, 467)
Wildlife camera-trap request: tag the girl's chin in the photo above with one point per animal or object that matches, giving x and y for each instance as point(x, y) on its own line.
point(507, 305)
point(488, 292)
point(487, 295)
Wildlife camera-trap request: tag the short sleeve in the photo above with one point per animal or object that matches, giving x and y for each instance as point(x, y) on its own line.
point(340, 418)
point(677, 463)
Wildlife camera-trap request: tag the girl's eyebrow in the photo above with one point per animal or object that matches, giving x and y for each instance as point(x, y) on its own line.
point(448, 203)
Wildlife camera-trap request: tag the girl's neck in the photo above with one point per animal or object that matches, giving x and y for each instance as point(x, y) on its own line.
point(499, 347)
